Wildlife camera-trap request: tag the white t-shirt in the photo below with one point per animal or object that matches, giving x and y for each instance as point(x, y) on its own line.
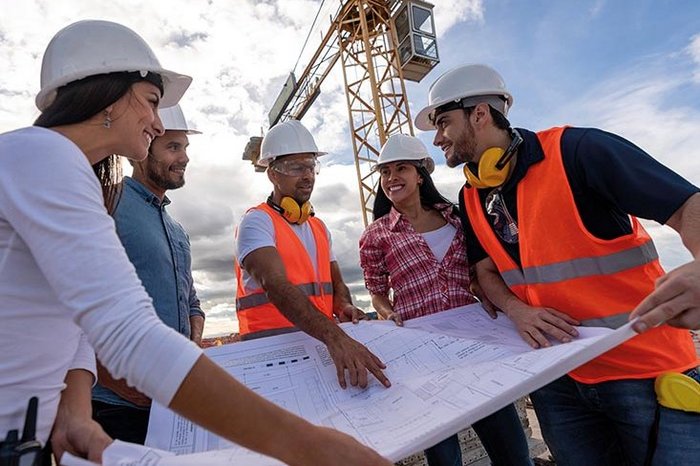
point(439, 240)
point(257, 231)
point(64, 273)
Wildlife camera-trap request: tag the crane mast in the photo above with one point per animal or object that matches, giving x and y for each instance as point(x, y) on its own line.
point(379, 43)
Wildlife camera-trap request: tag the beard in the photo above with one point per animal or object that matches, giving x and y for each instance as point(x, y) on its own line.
point(301, 198)
point(160, 178)
point(463, 149)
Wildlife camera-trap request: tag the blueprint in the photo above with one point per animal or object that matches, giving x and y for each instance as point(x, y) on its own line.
point(447, 370)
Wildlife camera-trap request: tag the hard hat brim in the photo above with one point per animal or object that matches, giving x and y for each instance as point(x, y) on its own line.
point(266, 162)
point(422, 120)
point(499, 102)
point(187, 131)
point(174, 86)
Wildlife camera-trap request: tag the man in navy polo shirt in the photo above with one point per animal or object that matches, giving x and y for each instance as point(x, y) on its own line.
point(551, 224)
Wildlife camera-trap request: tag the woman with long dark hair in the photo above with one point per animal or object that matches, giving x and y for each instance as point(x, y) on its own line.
point(65, 279)
point(414, 260)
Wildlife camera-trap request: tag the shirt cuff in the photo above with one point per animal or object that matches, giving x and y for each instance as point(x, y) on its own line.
point(84, 358)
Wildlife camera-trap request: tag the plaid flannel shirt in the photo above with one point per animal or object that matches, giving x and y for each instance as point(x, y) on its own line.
point(395, 257)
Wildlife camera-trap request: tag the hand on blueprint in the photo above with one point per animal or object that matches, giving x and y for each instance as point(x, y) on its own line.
point(396, 317)
point(535, 323)
point(80, 436)
point(350, 313)
point(675, 301)
point(337, 448)
point(347, 354)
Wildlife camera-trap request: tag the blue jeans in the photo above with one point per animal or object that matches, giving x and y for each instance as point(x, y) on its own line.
point(502, 436)
point(122, 422)
point(611, 423)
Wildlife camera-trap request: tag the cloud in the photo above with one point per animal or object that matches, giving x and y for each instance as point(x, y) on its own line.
point(647, 104)
point(452, 12)
point(240, 53)
point(694, 51)
point(183, 39)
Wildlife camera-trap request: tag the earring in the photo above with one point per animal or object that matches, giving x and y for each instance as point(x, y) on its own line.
point(108, 121)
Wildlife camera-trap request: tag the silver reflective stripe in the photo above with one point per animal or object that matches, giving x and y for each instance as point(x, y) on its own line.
point(258, 299)
point(616, 321)
point(268, 333)
point(583, 267)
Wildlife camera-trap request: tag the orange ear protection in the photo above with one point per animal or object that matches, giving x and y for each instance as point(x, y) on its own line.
point(290, 209)
point(494, 165)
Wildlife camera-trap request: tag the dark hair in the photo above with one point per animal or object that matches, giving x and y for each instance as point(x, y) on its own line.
point(429, 195)
point(499, 120)
point(81, 100)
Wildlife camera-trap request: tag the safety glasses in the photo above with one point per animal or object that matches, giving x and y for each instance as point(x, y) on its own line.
point(297, 167)
point(503, 223)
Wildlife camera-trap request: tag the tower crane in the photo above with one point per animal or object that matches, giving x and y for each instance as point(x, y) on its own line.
point(379, 43)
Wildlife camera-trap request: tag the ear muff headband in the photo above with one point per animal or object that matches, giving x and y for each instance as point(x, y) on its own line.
point(494, 165)
point(291, 211)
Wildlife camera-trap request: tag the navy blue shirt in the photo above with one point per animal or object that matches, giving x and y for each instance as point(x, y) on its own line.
point(159, 249)
point(610, 179)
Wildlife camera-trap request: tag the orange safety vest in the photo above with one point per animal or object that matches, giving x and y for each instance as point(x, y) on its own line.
point(598, 282)
point(255, 311)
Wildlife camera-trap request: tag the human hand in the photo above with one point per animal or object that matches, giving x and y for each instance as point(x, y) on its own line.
point(675, 300)
point(535, 323)
point(485, 302)
point(79, 436)
point(348, 312)
point(331, 447)
point(396, 317)
point(196, 329)
point(348, 354)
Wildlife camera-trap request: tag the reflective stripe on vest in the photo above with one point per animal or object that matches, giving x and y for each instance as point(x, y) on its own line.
point(583, 267)
point(564, 267)
point(309, 289)
point(613, 322)
point(257, 316)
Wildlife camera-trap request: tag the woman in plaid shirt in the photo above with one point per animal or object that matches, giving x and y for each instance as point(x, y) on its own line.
point(414, 260)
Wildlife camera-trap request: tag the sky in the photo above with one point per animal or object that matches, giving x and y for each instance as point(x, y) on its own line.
point(631, 67)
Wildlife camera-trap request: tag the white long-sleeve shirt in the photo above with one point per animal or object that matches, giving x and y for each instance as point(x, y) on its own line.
point(63, 272)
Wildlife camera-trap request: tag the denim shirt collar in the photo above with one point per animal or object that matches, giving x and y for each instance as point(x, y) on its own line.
point(145, 193)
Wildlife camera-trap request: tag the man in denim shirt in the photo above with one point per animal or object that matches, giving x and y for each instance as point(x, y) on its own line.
point(159, 249)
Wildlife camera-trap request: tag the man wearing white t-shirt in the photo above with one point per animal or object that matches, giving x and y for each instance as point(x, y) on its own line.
point(288, 278)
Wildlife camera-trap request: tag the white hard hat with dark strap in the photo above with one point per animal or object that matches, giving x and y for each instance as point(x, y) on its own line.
point(466, 86)
point(402, 147)
point(92, 47)
point(174, 120)
point(287, 138)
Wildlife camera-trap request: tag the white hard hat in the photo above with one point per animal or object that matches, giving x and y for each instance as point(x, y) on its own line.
point(404, 147)
point(471, 84)
point(92, 47)
point(174, 120)
point(287, 138)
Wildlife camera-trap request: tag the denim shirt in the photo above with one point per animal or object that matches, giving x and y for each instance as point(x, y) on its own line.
point(159, 249)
